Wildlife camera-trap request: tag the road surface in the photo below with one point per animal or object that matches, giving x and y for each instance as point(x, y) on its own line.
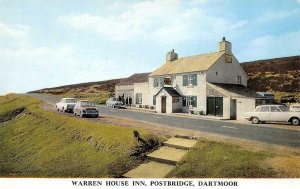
point(259, 132)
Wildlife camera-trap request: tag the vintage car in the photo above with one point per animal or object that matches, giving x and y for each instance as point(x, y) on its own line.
point(66, 104)
point(295, 108)
point(86, 108)
point(272, 113)
point(114, 103)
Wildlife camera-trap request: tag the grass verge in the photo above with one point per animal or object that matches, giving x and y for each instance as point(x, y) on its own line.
point(45, 144)
point(210, 159)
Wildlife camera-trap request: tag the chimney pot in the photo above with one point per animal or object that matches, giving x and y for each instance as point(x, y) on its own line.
point(223, 39)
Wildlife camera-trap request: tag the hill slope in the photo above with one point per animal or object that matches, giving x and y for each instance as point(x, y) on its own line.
point(280, 76)
point(97, 91)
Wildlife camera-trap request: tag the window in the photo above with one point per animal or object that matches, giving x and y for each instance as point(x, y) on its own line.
point(189, 101)
point(258, 109)
point(138, 98)
point(184, 101)
point(154, 100)
point(264, 109)
point(275, 109)
point(283, 108)
point(239, 80)
point(175, 99)
point(190, 80)
point(173, 80)
point(158, 82)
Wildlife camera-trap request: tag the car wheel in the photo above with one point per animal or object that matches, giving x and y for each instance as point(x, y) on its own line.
point(255, 120)
point(295, 121)
point(75, 114)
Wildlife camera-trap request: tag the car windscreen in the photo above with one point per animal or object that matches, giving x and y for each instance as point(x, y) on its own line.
point(70, 100)
point(88, 103)
point(283, 108)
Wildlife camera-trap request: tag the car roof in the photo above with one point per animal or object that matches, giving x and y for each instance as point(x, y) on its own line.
point(69, 98)
point(85, 101)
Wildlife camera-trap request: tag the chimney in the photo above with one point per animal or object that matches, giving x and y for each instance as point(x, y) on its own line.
point(225, 46)
point(171, 56)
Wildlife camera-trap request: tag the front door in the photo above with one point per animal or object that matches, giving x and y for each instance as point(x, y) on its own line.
point(163, 104)
point(233, 109)
point(215, 106)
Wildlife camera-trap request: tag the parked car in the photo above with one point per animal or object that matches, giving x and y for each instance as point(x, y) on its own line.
point(295, 108)
point(66, 104)
point(273, 113)
point(114, 103)
point(86, 108)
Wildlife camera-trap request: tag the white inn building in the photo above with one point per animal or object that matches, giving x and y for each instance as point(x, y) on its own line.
point(208, 84)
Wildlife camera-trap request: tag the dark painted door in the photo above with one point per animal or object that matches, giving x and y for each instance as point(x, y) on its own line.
point(215, 106)
point(233, 109)
point(211, 106)
point(219, 106)
point(163, 104)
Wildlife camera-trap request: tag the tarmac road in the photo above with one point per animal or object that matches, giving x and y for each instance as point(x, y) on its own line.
point(259, 132)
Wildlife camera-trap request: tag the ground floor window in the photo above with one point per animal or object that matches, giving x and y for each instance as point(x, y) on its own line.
point(138, 98)
point(188, 101)
point(154, 100)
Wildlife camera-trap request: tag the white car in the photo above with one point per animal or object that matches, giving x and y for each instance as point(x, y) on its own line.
point(66, 104)
point(295, 108)
point(273, 113)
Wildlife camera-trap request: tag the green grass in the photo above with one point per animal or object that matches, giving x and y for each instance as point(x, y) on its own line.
point(45, 144)
point(209, 159)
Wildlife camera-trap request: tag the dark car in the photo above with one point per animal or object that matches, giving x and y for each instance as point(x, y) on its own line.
point(86, 108)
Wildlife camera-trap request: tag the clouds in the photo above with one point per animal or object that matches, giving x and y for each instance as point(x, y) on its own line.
point(15, 31)
point(287, 44)
point(167, 20)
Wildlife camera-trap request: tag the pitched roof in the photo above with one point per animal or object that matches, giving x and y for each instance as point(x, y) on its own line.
point(188, 64)
point(235, 90)
point(135, 78)
point(171, 91)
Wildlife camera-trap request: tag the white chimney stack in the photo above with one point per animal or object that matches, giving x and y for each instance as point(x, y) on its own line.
point(225, 46)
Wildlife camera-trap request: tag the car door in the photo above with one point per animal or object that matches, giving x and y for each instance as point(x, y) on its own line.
point(276, 114)
point(264, 113)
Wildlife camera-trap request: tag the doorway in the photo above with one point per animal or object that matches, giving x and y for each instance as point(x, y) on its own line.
point(215, 106)
point(163, 104)
point(233, 109)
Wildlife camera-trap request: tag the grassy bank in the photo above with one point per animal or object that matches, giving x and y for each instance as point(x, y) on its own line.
point(36, 143)
point(209, 159)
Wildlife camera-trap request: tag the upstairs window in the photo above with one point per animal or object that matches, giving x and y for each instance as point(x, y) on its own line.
point(158, 82)
point(190, 80)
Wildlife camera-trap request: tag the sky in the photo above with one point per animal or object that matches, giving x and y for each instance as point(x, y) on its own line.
point(48, 43)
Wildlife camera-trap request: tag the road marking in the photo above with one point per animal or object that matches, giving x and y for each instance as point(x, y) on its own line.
point(229, 127)
point(157, 117)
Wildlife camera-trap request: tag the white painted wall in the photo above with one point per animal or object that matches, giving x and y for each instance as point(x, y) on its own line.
point(168, 102)
point(227, 72)
point(144, 89)
point(226, 108)
point(199, 90)
point(244, 105)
